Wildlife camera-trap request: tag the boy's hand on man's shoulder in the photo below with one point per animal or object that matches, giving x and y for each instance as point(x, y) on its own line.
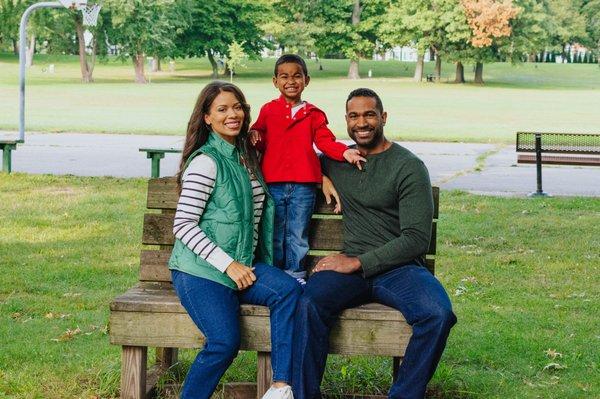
point(353, 156)
point(254, 136)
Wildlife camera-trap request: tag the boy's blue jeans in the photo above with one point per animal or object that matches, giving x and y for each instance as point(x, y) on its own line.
point(411, 289)
point(294, 205)
point(214, 308)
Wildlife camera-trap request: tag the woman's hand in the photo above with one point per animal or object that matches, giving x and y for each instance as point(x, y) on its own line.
point(330, 191)
point(353, 156)
point(242, 275)
point(254, 137)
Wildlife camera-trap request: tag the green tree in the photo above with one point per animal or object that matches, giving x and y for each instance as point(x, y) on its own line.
point(349, 28)
point(291, 26)
point(591, 11)
point(141, 27)
point(565, 24)
point(235, 58)
point(214, 25)
point(436, 25)
point(10, 16)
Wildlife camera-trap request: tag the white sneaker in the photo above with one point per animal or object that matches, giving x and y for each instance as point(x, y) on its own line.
point(301, 281)
point(279, 393)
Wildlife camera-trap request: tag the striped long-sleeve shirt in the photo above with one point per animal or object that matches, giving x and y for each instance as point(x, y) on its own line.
point(197, 184)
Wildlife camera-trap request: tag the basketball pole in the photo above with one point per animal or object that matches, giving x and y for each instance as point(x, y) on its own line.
point(22, 57)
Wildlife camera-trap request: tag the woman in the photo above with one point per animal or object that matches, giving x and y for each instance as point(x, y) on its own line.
point(224, 243)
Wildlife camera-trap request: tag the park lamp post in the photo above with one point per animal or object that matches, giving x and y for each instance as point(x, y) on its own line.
point(90, 18)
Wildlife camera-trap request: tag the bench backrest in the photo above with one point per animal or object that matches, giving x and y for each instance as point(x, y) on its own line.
point(568, 143)
point(326, 231)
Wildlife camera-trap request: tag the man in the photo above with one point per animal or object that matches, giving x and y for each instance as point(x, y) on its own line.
point(388, 210)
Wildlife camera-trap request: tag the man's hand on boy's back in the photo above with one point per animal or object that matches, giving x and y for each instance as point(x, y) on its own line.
point(353, 156)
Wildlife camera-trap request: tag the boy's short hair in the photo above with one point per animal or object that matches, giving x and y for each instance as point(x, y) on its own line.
point(291, 58)
point(364, 92)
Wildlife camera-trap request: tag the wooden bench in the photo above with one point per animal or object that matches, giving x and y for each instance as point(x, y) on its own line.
point(7, 146)
point(155, 155)
point(577, 149)
point(150, 315)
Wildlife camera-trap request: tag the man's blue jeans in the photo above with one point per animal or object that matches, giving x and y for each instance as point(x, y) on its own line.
point(411, 289)
point(214, 308)
point(294, 205)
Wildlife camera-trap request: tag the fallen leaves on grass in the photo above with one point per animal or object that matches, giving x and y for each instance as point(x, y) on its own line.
point(67, 335)
point(553, 354)
point(553, 367)
point(60, 316)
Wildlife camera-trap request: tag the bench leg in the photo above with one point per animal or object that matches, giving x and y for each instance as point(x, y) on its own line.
point(133, 372)
point(166, 357)
point(155, 157)
point(395, 366)
point(7, 157)
point(264, 373)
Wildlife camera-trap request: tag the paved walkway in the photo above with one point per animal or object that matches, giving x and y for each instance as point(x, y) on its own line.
point(478, 168)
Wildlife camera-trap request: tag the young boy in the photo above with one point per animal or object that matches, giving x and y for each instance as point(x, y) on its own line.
point(284, 132)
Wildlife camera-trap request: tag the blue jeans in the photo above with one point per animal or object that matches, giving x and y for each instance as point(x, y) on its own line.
point(294, 205)
point(214, 308)
point(411, 289)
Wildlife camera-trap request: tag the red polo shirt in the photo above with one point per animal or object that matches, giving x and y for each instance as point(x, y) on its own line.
point(287, 143)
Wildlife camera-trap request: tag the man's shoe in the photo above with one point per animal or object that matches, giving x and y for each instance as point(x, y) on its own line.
point(279, 393)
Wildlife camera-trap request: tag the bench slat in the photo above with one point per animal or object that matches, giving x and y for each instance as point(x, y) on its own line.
point(369, 329)
point(324, 234)
point(153, 265)
point(163, 194)
point(560, 160)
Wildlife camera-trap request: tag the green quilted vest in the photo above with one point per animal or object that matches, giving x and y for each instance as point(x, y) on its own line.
point(228, 218)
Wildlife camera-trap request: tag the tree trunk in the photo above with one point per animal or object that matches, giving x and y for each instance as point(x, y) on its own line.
point(158, 64)
point(213, 64)
point(138, 65)
point(15, 46)
point(353, 69)
point(86, 76)
point(479, 73)
point(30, 52)
point(419, 69)
point(460, 73)
point(438, 68)
point(431, 53)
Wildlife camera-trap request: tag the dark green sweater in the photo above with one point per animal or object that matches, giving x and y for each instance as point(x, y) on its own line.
point(387, 208)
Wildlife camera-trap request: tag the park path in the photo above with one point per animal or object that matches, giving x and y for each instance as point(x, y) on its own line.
point(479, 168)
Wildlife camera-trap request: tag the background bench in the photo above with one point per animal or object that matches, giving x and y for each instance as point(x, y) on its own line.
point(150, 315)
point(578, 149)
point(155, 155)
point(7, 146)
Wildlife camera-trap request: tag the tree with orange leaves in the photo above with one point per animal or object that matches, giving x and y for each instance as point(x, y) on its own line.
point(489, 20)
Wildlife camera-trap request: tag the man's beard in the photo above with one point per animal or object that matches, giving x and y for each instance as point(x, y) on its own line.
point(375, 139)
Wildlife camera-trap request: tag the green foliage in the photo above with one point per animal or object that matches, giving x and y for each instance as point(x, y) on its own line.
point(335, 33)
point(213, 25)
point(10, 16)
point(144, 26)
point(235, 57)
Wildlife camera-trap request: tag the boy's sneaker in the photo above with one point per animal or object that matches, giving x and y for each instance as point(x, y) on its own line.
point(279, 393)
point(301, 281)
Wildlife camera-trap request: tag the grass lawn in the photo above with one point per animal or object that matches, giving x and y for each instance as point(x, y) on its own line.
point(546, 97)
point(522, 275)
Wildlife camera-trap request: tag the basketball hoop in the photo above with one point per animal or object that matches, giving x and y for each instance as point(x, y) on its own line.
point(89, 12)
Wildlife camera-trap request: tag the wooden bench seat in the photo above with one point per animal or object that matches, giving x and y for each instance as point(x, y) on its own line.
point(150, 315)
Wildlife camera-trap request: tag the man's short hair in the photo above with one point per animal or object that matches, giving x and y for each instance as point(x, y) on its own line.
point(291, 58)
point(364, 92)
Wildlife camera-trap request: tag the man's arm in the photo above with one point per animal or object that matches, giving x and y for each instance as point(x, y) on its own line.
point(415, 204)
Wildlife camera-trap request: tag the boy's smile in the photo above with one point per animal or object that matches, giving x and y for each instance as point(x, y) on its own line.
point(291, 81)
